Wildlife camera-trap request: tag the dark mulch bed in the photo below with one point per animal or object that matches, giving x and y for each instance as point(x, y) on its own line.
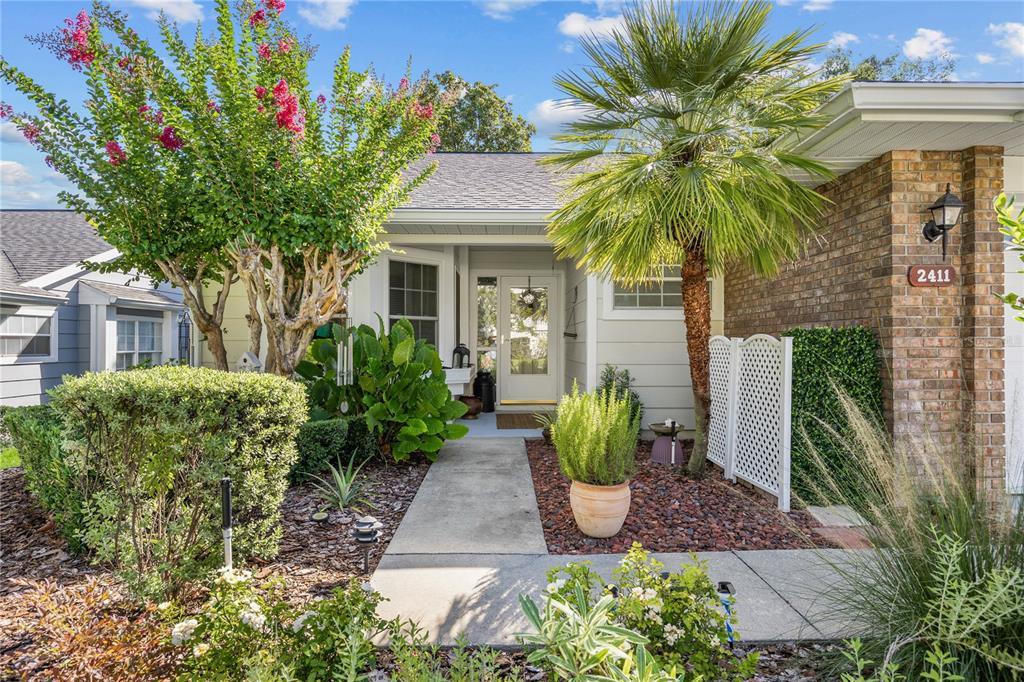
point(314, 557)
point(670, 512)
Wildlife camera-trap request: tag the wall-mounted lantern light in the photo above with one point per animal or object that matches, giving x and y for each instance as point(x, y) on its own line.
point(945, 215)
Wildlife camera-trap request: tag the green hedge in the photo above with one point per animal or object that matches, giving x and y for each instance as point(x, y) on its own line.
point(824, 359)
point(35, 434)
point(139, 458)
point(328, 441)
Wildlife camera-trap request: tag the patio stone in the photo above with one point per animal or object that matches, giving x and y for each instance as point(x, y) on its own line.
point(478, 499)
point(836, 516)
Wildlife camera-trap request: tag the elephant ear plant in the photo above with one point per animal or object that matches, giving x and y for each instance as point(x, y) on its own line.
point(399, 387)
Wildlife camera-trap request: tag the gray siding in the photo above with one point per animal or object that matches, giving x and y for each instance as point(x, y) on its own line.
point(26, 384)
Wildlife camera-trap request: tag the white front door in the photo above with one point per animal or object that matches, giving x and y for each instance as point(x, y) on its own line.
point(528, 355)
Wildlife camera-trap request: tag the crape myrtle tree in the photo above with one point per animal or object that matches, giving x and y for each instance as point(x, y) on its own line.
point(272, 186)
point(679, 157)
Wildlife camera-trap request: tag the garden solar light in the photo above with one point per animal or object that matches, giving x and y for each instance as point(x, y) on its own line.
point(366, 532)
point(726, 592)
point(225, 518)
point(945, 214)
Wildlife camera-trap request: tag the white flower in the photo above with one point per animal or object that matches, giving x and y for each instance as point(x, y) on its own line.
point(163, 606)
point(300, 622)
point(650, 593)
point(253, 616)
point(182, 632)
point(200, 649)
point(231, 576)
point(637, 593)
point(671, 634)
point(555, 586)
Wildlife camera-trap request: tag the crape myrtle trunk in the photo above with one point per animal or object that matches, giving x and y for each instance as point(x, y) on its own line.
point(697, 319)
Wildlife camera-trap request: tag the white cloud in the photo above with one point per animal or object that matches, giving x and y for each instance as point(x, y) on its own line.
point(817, 5)
point(14, 173)
point(607, 6)
point(928, 43)
point(783, 3)
point(567, 47)
point(842, 39)
point(1010, 36)
point(504, 9)
point(10, 133)
point(550, 115)
point(576, 25)
point(185, 11)
point(329, 15)
point(984, 58)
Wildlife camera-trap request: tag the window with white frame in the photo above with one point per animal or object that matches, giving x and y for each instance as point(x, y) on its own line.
point(412, 294)
point(27, 334)
point(139, 342)
point(663, 294)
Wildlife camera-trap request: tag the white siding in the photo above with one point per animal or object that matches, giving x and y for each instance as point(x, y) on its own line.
point(575, 322)
point(1013, 181)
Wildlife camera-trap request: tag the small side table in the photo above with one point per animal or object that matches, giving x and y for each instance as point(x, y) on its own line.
point(666, 448)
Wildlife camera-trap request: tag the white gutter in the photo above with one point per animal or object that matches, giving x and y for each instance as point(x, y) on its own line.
point(470, 216)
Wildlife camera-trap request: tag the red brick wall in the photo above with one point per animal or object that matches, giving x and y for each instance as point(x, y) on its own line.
point(942, 346)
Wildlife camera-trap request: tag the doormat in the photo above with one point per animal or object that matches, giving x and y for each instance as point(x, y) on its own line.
point(516, 420)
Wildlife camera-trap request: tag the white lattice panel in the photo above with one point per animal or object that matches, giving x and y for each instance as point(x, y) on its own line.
point(750, 411)
point(721, 383)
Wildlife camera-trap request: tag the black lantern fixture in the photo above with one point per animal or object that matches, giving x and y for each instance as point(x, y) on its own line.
point(366, 531)
point(945, 215)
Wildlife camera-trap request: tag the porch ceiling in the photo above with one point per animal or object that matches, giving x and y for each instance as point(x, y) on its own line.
point(870, 119)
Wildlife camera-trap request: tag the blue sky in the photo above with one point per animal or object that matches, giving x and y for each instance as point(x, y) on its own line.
point(518, 44)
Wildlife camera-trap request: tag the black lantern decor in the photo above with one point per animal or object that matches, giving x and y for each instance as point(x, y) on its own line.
point(366, 531)
point(945, 215)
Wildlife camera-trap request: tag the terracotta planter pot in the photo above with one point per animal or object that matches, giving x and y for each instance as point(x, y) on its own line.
point(599, 510)
point(474, 404)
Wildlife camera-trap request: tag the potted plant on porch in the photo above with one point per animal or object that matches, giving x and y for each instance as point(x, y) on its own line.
point(595, 437)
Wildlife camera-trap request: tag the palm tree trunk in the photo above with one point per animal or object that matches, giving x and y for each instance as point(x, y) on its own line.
point(697, 316)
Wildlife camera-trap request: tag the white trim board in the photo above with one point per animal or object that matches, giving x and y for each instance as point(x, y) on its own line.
point(69, 271)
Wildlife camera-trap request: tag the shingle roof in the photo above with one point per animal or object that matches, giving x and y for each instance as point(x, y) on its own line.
point(487, 181)
point(129, 294)
point(35, 243)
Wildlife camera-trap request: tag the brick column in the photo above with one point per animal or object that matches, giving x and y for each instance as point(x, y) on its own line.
point(983, 408)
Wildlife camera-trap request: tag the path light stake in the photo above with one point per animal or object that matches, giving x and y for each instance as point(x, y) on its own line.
point(225, 518)
point(366, 532)
point(726, 592)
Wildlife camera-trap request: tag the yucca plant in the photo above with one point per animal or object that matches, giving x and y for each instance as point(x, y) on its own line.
point(947, 566)
point(342, 489)
point(595, 437)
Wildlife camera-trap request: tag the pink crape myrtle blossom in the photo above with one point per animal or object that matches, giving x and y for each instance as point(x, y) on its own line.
point(260, 92)
point(258, 18)
point(274, 5)
point(115, 155)
point(321, 101)
point(144, 108)
point(76, 41)
point(289, 116)
point(6, 110)
point(213, 106)
point(283, 46)
point(31, 132)
point(170, 140)
point(435, 143)
point(403, 85)
point(263, 50)
point(424, 111)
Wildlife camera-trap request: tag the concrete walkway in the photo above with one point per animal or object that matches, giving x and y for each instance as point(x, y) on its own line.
point(472, 542)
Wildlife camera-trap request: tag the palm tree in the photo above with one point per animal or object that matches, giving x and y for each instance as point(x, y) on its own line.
point(680, 156)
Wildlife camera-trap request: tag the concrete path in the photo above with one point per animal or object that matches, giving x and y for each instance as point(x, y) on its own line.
point(476, 499)
point(472, 542)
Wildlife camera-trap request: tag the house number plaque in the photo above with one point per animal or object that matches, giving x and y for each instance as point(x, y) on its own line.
point(931, 275)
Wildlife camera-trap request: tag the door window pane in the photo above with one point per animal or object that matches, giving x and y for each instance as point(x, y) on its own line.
point(486, 312)
point(528, 330)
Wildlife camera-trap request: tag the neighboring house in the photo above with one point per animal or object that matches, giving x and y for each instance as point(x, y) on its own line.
point(57, 318)
point(472, 239)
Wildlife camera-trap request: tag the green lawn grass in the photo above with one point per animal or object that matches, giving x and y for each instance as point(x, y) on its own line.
point(9, 458)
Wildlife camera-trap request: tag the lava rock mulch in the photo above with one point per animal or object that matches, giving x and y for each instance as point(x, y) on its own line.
point(670, 512)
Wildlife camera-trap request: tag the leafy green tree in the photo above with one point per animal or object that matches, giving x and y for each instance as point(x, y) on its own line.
point(1012, 221)
point(682, 157)
point(840, 62)
point(288, 189)
point(478, 120)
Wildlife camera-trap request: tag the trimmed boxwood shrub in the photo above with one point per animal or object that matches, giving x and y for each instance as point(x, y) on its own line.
point(35, 433)
point(824, 359)
point(328, 441)
point(146, 450)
